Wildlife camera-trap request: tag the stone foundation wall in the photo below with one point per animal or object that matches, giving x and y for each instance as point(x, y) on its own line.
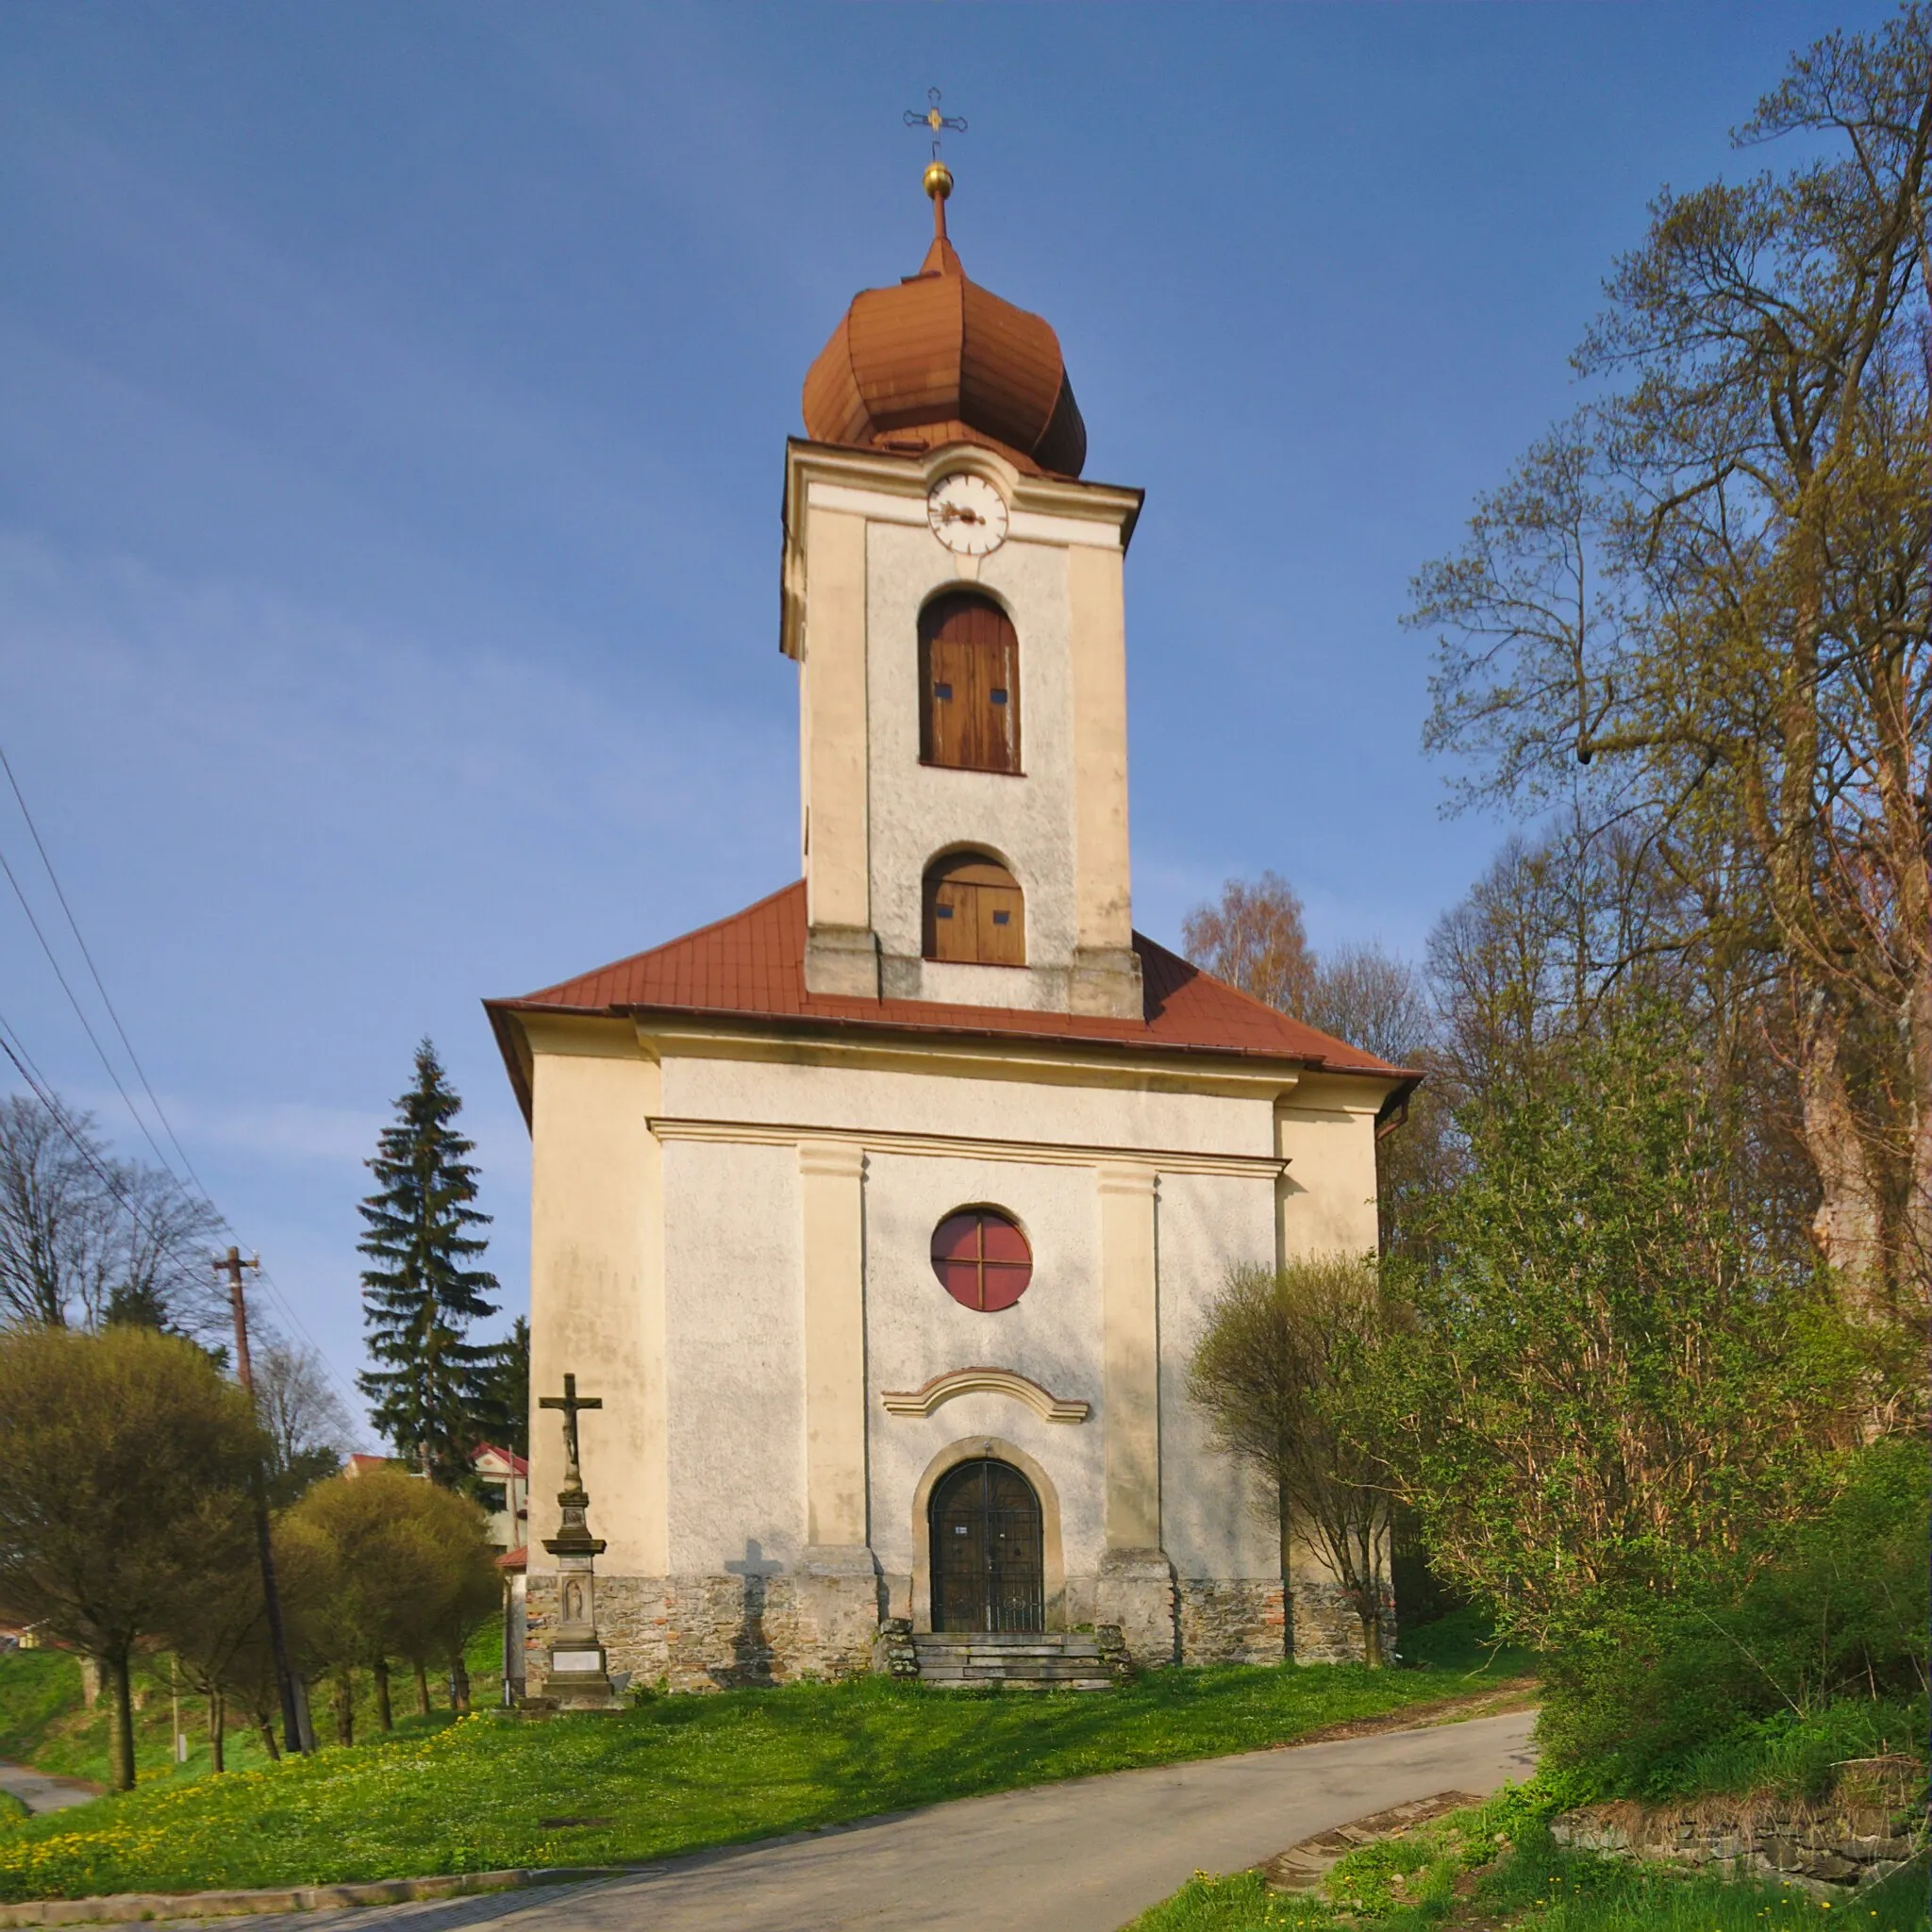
point(1827, 1850)
point(1231, 1621)
point(1135, 1591)
point(824, 1618)
point(716, 1633)
point(1326, 1629)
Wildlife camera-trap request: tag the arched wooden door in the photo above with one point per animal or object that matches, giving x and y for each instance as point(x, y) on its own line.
point(988, 1553)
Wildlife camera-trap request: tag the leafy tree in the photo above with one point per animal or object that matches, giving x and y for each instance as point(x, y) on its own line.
point(1604, 1386)
point(421, 1293)
point(125, 1461)
point(1702, 610)
point(215, 1634)
point(397, 1569)
point(1279, 1370)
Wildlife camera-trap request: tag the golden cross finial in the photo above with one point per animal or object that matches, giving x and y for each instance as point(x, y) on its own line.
point(933, 119)
point(939, 178)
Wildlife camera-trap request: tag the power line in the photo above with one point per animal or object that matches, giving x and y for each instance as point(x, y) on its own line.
point(100, 984)
point(15, 1048)
point(199, 1195)
point(80, 1014)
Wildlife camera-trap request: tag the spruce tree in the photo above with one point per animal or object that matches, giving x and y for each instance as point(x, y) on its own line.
point(504, 1411)
point(421, 1294)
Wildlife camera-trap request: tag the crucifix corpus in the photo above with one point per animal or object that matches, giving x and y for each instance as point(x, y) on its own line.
point(579, 1676)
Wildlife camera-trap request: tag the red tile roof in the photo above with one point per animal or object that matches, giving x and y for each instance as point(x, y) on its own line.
point(517, 1465)
point(752, 966)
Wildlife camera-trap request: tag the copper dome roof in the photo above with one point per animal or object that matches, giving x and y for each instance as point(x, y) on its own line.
point(940, 359)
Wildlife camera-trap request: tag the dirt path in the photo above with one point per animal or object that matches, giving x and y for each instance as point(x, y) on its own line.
point(41, 1792)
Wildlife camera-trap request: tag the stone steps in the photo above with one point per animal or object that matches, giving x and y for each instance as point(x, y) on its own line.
point(1028, 1661)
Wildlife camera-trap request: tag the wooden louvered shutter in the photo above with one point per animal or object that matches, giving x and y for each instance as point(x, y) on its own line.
point(969, 668)
point(975, 915)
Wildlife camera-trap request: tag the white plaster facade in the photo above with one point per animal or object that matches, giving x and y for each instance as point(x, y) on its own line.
point(732, 1211)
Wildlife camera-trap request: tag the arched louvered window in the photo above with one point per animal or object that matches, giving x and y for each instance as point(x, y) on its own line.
point(974, 913)
point(969, 675)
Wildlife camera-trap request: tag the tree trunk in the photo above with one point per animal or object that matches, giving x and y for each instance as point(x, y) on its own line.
point(379, 1669)
point(346, 1707)
point(1849, 1226)
point(265, 1724)
point(217, 1730)
point(460, 1686)
point(122, 1742)
point(1371, 1633)
point(1918, 1208)
point(422, 1689)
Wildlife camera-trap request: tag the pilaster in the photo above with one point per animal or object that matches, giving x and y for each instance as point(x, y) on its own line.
point(1130, 1357)
point(841, 955)
point(1106, 970)
point(832, 1184)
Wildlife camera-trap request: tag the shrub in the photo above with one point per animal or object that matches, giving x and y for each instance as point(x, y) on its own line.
point(1771, 1669)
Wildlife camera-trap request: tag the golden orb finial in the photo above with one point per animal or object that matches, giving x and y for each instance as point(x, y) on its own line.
point(937, 180)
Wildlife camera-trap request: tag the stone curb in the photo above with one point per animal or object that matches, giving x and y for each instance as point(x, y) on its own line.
point(123, 1908)
point(1302, 1866)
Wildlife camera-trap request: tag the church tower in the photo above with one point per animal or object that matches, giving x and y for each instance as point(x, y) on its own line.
point(953, 597)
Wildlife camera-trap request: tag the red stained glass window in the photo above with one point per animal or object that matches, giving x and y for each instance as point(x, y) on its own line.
point(981, 1258)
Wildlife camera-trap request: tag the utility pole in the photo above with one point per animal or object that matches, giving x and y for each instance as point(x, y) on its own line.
point(231, 1264)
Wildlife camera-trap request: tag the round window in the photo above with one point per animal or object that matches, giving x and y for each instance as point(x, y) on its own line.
point(981, 1258)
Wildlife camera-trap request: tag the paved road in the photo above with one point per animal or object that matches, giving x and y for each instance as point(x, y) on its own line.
point(39, 1793)
point(1084, 1856)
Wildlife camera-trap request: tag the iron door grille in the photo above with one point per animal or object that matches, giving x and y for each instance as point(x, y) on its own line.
point(988, 1559)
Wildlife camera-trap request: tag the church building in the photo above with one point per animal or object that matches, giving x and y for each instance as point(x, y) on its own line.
point(882, 1216)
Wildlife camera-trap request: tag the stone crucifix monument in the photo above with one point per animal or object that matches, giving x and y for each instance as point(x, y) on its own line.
point(578, 1677)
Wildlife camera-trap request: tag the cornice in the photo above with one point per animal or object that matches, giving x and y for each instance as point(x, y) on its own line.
point(991, 1057)
point(942, 1389)
point(1129, 1168)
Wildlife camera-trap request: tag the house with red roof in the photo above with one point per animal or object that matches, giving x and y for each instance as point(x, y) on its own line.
point(881, 1216)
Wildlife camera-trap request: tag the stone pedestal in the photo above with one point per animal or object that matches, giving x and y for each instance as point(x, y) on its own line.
point(1136, 1590)
point(578, 1674)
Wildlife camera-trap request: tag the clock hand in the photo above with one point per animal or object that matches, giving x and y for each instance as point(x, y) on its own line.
point(956, 513)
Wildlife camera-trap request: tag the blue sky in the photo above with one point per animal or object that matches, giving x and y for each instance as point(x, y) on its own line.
point(393, 405)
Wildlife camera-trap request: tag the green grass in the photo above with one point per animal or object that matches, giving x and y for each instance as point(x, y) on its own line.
point(677, 1774)
point(1798, 1753)
point(1450, 1877)
point(38, 1689)
point(44, 1720)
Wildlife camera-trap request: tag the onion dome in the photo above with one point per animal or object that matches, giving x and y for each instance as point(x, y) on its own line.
point(940, 359)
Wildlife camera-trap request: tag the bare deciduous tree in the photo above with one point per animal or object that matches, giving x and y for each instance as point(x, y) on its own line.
point(309, 1430)
point(1255, 940)
point(87, 1240)
point(1279, 1372)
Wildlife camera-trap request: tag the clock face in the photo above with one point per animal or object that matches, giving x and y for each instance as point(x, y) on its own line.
point(967, 514)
